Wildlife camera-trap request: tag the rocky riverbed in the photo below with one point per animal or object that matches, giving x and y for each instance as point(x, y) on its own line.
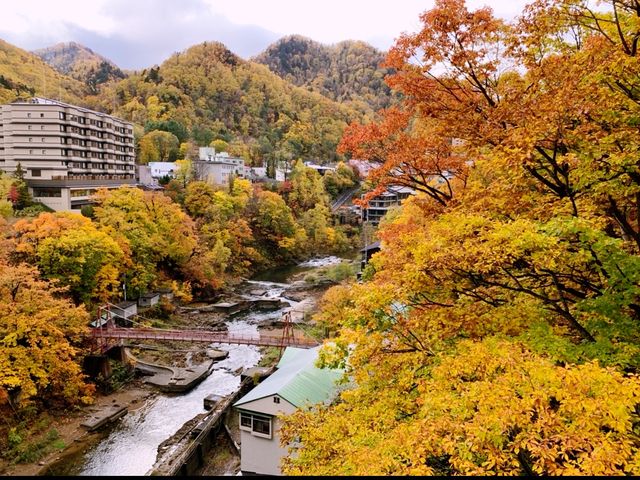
point(135, 395)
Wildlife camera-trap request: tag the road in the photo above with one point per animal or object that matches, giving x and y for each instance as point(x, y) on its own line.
point(344, 196)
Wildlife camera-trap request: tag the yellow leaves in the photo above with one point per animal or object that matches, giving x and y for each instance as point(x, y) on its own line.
point(484, 408)
point(156, 229)
point(36, 329)
point(69, 247)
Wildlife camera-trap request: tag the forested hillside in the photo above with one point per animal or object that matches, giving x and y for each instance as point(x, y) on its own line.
point(23, 74)
point(81, 63)
point(213, 94)
point(348, 71)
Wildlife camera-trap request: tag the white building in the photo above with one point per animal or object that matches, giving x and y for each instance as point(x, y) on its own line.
point(321, 169)
point(297, 383)
point(67, 152)
point(163, 169)
point(216, 168)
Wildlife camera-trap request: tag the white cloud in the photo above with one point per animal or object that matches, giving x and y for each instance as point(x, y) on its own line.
point(161, 27)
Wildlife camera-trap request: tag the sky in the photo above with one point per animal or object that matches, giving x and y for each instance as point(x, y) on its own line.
point(136, 34)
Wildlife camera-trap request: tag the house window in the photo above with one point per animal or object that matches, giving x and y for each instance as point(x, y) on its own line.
point(276, 399)
point(258, 425)
point(246, 420)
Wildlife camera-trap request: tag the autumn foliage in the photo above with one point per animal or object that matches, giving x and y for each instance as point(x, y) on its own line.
point(498, 333)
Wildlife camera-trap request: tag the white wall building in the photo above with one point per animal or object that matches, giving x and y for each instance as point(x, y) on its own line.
point(297, 383)
point(67, 152)
point(163, 169)
point(216, 168)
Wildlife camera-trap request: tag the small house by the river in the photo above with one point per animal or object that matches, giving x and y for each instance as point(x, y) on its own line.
point(149, 299)
point(123, 313)
point(297, 383)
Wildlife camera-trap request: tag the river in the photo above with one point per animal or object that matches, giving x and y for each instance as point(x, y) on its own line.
point(130, 447)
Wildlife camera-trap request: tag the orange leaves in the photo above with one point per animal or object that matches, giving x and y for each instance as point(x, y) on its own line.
point(534, 239)
point(408, 153)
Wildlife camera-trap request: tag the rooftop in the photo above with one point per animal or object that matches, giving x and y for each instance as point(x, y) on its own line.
point(49, 101)
point(297, 380)
point(125, 304)
point(371, 246)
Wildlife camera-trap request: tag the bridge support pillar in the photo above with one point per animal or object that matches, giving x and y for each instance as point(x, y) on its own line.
point(95, 365)
point(117, 353)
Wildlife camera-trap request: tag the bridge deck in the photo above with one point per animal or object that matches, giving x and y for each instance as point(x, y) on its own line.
point(117, 333)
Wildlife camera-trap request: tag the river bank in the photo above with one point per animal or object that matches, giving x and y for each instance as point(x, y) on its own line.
point(73, 435)
point(135, 395)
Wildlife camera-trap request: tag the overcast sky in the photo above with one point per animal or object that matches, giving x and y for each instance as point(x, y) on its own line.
point(140, 33)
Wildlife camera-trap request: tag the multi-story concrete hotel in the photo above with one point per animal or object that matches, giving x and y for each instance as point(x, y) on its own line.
point(66, 152)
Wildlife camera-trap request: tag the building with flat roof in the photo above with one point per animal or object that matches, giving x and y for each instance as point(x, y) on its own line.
point(67, 152)
point(163, 169)
point(216, 168)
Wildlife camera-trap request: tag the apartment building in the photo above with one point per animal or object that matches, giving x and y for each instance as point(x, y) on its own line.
point(67, 152)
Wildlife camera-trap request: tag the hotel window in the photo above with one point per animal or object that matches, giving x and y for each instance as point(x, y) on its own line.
point(29, 127)
point(42, 115)
point(62, 116)
point(36, 172)
point(44, 151)
point(28, 115)
point(41, 127)
point(30, 139)
point(47, 192)
point(42, 139)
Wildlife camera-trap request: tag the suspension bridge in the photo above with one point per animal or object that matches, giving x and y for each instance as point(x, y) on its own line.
point(107, 334)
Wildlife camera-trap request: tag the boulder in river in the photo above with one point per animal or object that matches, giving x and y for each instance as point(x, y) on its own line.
point(217, 354)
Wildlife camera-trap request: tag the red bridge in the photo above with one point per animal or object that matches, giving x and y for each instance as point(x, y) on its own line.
point(119, 333)
point(108, 334)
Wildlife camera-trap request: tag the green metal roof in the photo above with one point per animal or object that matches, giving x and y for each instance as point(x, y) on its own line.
point(297, 380)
